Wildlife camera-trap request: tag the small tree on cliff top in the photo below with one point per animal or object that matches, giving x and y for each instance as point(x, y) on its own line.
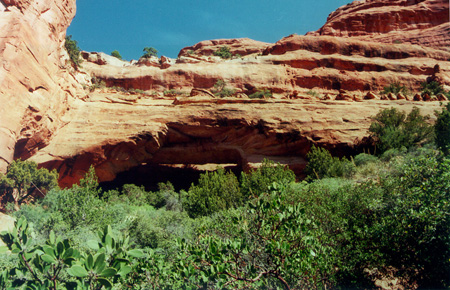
point(149, 52)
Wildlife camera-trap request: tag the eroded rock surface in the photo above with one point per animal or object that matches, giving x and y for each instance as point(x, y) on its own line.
point(325, 89)
point(115, 137)
point(35, 81)
point(424, 22)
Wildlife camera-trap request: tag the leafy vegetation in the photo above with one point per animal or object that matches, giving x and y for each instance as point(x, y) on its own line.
point(24, 181)
point(393, 129)
point(116, 54)
point(313, 93)
point(433, 89)
point(321, 164)
point(223, 52)
point(349, 224)
point(216, 191)
point(442, 129)
point(261, 94)
point(173, 93)
point(149, 52)
point(221, 90)
point(396, 88)
point(73, 50)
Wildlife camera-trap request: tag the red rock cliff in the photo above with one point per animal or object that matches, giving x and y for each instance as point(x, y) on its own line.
point(424, 22)
point(35, 80)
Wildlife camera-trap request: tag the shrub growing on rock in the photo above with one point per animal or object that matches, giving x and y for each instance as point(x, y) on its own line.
point(73, 50)
point(116, 54)
point(392, 128)
point(223, 52)
point(149, 52)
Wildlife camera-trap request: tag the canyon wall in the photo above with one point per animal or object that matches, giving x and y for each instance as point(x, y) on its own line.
point(325, 86)
point(35, 79)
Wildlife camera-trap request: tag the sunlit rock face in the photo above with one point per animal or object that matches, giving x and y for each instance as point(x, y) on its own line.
point(35, 79)
point(423, 22)
point(325, 88)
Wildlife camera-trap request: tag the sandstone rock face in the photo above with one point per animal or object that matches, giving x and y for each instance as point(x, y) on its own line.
point(115, 137)
point(35, 82)
point(325, 90)
point(295, 63)
point(241, 46)
point(424, 22)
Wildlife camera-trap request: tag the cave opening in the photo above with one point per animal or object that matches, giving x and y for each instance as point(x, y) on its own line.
point(150, 175)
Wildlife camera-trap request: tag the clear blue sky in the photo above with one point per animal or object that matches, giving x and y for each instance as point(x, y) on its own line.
point(170, 25)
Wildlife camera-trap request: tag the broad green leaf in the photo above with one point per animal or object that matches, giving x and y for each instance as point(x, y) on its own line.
point(93, 244)
point(89, 262)
point(77, 271)
point(135, 253)
point(108, 241)
point(60, 248)
point(105, 283)
point(48, 259)
point(49, 250)
point(108, 272)
point(52, 237)
point(99, 264)
point(124, 270)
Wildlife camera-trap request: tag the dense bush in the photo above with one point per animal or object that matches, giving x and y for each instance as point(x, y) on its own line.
point(273, 245)
point(261, 94)
point(223, 52)
point(258, 181)
point(364, 158)
point(433, 89)
point(149, 52)
point(215, 191)
point(395, 88)
point(116, 54)
point(392, 128)
point(58, 265)
point(322, 164)
point(442, 129)
point(221, 90)
point(24, 181)
point(73, 50)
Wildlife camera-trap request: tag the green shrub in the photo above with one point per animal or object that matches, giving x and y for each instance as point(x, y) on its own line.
point(116, 54)
point(172, 93)
point(433, 88)
point(442, 129)
point(313, 93)
point(216, 191)
point(395, 88)
point(56, 264)
point(23, 181)
point(160, 228)
point(392, 128)
point(322, 164)
point(258, 181)
point(220, 89)
point(73, 50)
point(223, 52)
point(79, 205)
point(149, 52)
point(261, 94)
point(390, 154)
point(272, 245)
point(364, 158)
